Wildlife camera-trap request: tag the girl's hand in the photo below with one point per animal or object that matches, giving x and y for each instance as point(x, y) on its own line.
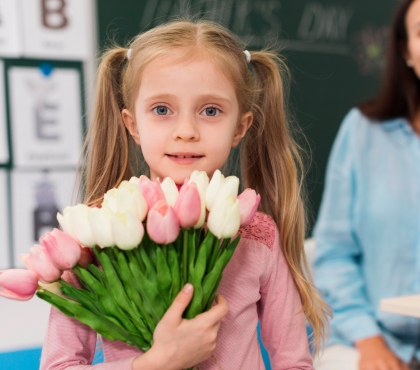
point(180, 343)
point(375, 355)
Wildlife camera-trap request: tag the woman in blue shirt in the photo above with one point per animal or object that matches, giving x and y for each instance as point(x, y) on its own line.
point(368, 230)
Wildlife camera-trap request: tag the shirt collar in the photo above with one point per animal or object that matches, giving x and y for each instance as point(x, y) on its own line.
point(398, 123)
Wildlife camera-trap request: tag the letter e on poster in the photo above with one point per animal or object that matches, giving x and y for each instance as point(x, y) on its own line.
point(46, 118)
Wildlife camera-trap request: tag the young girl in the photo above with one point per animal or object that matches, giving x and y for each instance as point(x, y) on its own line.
point(186, 93)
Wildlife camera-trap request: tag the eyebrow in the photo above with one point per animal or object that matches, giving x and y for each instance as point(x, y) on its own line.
point(202, 97)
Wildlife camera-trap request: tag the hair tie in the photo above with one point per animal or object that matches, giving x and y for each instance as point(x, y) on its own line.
point(248, 56)
point(129, 51)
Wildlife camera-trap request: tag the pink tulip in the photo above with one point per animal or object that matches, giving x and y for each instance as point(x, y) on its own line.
point(17, 284)
point(248, 205)
point(62, 248)
point(162, 223)
point(151, 190)
point(188, 205)
point(86, 257)
point(40, 263)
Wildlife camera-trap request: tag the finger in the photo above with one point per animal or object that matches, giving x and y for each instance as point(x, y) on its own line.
point(174, 313)
point(217, 312)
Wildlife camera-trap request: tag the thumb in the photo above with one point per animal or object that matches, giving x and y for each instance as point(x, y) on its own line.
point(174, 313)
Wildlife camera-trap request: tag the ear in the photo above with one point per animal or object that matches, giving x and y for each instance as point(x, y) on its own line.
point(130, 124)
point(245, 123)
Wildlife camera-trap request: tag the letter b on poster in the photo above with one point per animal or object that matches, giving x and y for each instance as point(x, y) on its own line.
point(56, 29)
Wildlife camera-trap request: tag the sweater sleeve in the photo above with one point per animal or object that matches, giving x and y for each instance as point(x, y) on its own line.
point(283, 327)
point(69, 344)
point(337, 264)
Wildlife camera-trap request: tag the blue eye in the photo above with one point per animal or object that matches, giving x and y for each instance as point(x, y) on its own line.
point(211, 111)
point(161, 110)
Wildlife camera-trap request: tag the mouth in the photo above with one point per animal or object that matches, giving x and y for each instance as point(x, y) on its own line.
point(184, 159)
point(183, 156)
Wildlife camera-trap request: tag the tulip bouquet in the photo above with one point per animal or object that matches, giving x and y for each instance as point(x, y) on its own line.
point(134, 254)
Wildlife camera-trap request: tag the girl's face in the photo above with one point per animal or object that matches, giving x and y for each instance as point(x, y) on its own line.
point(412, 22)
point(186, 117)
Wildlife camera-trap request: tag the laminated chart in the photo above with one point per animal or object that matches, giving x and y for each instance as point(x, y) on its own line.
point(4, 147)
point(36, 199)
point(4, 223)
point(46, 116)
point(57, 29)
point(11, 31)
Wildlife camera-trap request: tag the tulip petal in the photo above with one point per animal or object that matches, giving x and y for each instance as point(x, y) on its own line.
point(62, 249)
point(42, 265)
point(213, 188)
point(201, 180)
point(64, 223)
point(248, 205)
point(130, 198)
point(100, 224)
point(17, 297)
point(170, 191)
point(127, 230)
point(232, 221)
point(151, 191)
point(188, 205)
point(162, 223)
point(80, 226)
point(18, 284)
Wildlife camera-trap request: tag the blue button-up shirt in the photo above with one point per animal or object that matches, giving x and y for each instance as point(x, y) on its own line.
point(368, 231)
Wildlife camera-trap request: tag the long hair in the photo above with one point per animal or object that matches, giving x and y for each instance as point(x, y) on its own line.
point(400, 92)
point(270, 159)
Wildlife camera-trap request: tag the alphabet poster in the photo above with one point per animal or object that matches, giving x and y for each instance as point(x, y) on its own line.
point(36, 199)
point(4, 150)
point(4, 223)
point(46, 116)
point(11, 37)
point(57, 29)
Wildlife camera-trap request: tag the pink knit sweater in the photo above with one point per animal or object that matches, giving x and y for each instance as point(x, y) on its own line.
point(256, 284)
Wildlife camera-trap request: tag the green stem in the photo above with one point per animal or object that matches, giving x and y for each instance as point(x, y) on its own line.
point(185, 253)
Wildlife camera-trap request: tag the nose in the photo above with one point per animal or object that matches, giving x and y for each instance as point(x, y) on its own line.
point(186, 128)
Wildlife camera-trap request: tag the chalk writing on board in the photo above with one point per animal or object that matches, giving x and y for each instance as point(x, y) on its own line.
point(233, 14)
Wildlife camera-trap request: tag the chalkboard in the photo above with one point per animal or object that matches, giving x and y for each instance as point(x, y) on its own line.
point(334, 49)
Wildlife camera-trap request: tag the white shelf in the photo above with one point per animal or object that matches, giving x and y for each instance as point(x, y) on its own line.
point(407, 306)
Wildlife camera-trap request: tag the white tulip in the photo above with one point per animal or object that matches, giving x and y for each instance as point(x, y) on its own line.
point(134, 180)
point(63, 220)
point(127, 230)
point(221, 187)
point(200, 179)
point(75, 222)
point(54, 288)
point(127, 197)
point(100, 224)
point(224, 218)
point(110, 200)
point(170, 191)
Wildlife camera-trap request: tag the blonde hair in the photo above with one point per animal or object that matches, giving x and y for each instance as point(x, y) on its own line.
point(270, 160)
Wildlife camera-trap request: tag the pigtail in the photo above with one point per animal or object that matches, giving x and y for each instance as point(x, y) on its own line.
point(271, 164)
point(107, 142)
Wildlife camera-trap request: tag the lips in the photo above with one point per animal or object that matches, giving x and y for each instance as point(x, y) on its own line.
point(182, 156)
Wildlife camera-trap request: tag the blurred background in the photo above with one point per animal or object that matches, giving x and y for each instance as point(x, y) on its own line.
point(48, 56)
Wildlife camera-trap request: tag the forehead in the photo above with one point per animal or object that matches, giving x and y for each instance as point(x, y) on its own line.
point(173, 74)
point(413, 15)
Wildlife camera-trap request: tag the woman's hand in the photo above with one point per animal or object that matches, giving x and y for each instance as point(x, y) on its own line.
point(375, 355)
point(180, 343)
